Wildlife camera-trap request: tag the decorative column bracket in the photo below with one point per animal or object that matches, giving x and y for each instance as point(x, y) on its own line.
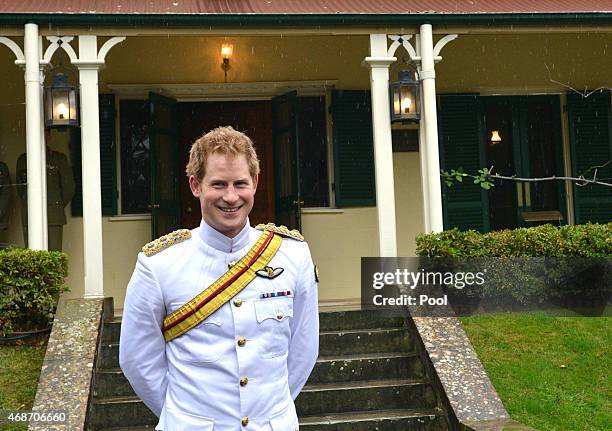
point(12, 45)
point(414, 53)
point(63, 42)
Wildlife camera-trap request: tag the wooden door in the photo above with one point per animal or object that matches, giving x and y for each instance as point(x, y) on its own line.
point(254, 118)
point(286, 153)
point(165, 202)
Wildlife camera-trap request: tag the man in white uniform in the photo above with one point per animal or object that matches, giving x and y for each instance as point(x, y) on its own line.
point(220, 324)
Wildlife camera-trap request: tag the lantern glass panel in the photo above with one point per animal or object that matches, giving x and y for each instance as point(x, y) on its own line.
point(407, 100)
point(61, 106)
point(61, 110)
point(396, 101)
point(73, 106)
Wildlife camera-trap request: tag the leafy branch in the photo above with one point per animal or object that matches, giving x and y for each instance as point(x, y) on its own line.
point(485, 177)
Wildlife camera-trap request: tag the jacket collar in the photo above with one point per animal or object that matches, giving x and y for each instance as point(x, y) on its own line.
point(217, 240)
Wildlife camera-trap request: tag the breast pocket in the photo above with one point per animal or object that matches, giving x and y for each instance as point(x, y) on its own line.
point(273, 318)
point(201, 343)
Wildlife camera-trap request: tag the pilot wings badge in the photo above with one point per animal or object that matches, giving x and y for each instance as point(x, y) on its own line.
point(269, 272)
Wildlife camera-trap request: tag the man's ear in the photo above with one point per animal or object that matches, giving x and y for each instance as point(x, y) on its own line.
point(255, 182)
point(194, 185)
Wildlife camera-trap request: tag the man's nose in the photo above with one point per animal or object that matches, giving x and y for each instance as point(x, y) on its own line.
point(230, 195)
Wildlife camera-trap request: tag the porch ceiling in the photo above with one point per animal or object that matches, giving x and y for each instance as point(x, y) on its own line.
point(121, 7)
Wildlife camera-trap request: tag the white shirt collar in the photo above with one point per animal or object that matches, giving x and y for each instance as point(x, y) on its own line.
point(212, 237)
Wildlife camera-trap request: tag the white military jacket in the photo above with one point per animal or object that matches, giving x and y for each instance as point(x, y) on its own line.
point(244, 365)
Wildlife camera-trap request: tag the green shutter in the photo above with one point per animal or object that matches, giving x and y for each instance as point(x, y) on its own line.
point(353, 148)
point(107, 160)
point(591, 146)
point(465, 205)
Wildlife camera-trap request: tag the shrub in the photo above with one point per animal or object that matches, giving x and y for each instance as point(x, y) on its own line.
point(587, 240)
point(544, 264)
point(30, 284)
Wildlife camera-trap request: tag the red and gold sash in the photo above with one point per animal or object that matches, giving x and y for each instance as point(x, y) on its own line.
point(223, 289)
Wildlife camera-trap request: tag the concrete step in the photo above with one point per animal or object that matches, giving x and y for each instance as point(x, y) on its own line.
point(328, 321)
point(358, 319)
point(111, 330)
point(315, 400)
point(381, 420)
point(355, 341)
point(120, 412)
point(361, 341)
point(375, 366)
point(331, 398)
point(108, 356)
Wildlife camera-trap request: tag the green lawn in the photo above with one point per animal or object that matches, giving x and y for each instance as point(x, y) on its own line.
point(19, 372)
point(552, 373)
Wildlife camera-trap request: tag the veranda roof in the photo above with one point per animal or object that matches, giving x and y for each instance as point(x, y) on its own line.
point(304, 11)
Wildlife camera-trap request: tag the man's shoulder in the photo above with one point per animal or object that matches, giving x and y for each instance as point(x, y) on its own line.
point(281, 230)
point(167, 241)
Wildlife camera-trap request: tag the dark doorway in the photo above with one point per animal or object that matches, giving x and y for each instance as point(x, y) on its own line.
point(251, 117)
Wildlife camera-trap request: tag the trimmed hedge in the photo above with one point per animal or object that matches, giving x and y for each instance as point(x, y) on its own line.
point(567, 265)
point(587, 240)
point(30, 284)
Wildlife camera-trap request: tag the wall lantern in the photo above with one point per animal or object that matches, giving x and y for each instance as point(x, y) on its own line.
point(495, 138)
point(61, 101)
point(405, 98)
point(227, 49)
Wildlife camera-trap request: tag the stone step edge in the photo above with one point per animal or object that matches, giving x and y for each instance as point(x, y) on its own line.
point(363, 331)
point(381, 313)
point(376, 415)
point(320, 360)
point(362, 384)
point(340, 332)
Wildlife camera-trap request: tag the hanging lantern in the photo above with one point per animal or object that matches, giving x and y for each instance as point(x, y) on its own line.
point(405, 99)
point(61, 100)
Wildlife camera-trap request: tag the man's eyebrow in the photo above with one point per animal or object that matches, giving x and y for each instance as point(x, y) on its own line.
point(219, 180)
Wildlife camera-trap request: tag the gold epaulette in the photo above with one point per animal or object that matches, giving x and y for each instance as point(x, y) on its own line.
point(166, 241)
point(281, 230)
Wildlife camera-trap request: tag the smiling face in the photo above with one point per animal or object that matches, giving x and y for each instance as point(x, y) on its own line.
point(226, 193)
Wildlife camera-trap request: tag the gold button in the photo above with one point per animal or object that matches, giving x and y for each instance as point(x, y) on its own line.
point(245, 421)
point(244, 381)
point(237, 302)
point(241, 341)
point(280, 315)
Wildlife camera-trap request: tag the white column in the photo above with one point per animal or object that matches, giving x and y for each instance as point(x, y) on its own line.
point(432, 159)
point(90, 149)
point(379, 62)
point(35, 167)
point(43, 158)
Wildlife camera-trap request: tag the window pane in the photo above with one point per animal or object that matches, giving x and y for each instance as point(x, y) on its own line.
point(313, 151)
point(135, 157)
